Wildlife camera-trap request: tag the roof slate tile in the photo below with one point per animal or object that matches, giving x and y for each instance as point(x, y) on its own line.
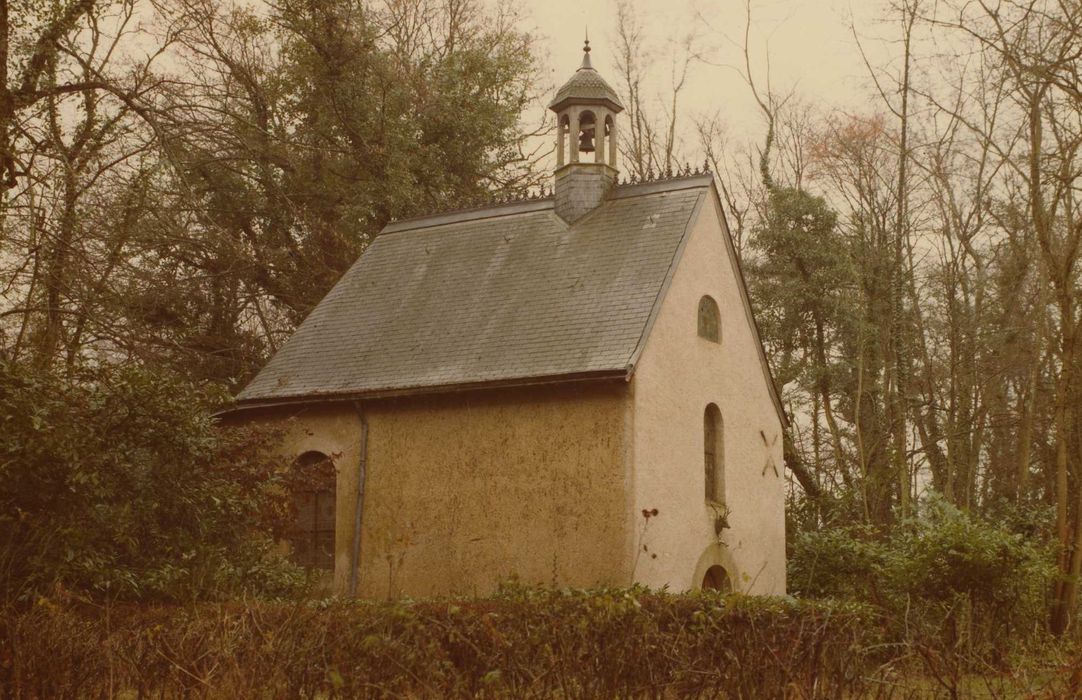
point(503, 294)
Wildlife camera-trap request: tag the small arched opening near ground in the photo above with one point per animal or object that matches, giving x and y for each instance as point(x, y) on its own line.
point(716, 570)
point(717, 579)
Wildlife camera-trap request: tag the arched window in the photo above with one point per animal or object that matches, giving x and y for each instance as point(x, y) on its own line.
point(562, 132)
point(587, 132)
point(717, 579)
point(709, 320)
point(714, 455)
point(610, 139)
point(311, 536)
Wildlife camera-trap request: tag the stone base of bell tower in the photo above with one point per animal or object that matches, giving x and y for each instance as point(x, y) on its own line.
point(581, 187)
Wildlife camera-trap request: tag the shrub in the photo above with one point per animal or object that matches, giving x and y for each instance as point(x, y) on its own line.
point(117, 483)
point(946, 580)
point(846, 563)
point(521, 643)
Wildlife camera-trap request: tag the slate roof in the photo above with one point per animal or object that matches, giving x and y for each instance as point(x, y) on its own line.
point(586, 86)
point(509, 294)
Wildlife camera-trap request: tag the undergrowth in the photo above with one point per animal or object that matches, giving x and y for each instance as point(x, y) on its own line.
point(519, 643)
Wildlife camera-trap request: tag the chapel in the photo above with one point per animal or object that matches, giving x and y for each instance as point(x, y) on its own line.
point(567, 390)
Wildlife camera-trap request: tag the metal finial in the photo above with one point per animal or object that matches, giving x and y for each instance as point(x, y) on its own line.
point(706, 166)
point(586, 52)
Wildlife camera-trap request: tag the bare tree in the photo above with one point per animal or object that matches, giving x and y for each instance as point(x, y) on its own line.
point(651, 142)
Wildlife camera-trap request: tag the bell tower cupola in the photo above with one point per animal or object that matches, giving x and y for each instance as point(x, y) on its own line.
point(586, 144)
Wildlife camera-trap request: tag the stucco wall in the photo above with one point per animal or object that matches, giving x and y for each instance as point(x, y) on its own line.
point(678, 374)
point(467, 490)
point(334, 430)
point(464, 491)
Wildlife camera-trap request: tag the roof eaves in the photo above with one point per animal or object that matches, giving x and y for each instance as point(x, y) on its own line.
point(563, 101)
point(306, 399)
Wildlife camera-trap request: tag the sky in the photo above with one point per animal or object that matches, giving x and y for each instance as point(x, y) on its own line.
point(810, 46)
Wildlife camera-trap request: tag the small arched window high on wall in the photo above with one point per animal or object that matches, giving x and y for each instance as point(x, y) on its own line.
point(713, 455)
point(311, 536)
point(709, 320)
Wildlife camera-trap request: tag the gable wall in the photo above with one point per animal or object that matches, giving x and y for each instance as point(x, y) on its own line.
point(463, 491)
point(677, 375)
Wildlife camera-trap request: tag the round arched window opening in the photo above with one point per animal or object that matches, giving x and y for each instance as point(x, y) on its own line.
point(717, 579)
point(587, 132)
point(563, 131)
point(713, 455)
point(610, 139)
point(709, 320)
point(311, 535)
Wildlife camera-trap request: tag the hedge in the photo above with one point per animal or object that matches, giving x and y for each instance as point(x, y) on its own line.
point(522, 643)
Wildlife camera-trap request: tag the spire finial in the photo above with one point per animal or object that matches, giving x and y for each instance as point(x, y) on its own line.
point(586, 51)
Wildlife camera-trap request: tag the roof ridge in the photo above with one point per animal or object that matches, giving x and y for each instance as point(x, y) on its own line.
point(674, 184)
point(486, 201)
point(668, 174)
point(542, 192)
point(485, 211)
point(541, 199)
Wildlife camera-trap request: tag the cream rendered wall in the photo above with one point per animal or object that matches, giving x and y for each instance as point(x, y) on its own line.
point(678, 374)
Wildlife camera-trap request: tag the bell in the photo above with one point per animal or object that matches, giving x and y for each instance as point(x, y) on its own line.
point(586, 140)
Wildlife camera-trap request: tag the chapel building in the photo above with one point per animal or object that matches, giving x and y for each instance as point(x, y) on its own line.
point(565, 391)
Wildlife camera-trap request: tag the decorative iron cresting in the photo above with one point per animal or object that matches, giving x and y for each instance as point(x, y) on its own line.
point(536, 194)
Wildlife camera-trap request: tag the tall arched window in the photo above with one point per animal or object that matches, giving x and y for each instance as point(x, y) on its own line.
point(714, 455)
point(311, 536)
point(709, 320)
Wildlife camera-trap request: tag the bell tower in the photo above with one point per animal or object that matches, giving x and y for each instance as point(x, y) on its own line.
point(586, 145)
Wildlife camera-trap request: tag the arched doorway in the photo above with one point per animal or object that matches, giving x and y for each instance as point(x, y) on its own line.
point(717, 579)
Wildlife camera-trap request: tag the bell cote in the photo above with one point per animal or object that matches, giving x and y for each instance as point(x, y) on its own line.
point(586, 141)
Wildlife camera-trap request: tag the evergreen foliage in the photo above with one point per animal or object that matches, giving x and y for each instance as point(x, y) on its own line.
point(117, 484)
point(945, 578)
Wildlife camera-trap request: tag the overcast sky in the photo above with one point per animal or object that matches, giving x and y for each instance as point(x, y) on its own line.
point(810, 45)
